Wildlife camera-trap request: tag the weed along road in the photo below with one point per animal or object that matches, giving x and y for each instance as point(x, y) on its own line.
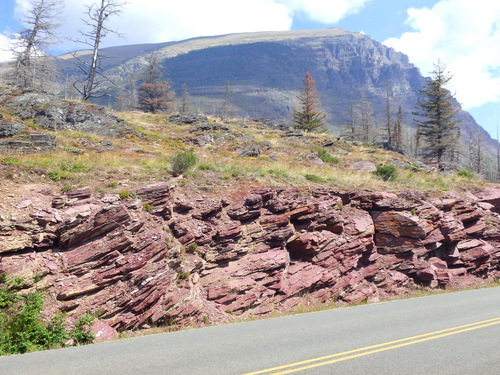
point(452, 333)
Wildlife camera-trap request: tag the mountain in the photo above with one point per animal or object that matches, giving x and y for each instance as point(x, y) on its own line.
point(265, 72)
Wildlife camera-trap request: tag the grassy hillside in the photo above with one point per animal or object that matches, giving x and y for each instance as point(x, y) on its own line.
point(315, 159)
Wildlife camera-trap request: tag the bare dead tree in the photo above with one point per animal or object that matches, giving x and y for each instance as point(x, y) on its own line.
point(477, 151)
point(32, 69)
point(186, 103)
point(397, 135)
point(366, 121)
point(97, 22)
point(349, 128)
point(388, 117)
point(126, 98)
point(226, 103)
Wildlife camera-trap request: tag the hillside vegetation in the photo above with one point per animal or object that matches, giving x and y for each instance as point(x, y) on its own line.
point(284, 158)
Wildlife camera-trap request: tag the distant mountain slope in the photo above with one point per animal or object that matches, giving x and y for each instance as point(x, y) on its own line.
point(265, 72)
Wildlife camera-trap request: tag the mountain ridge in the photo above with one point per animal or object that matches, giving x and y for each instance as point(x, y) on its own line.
point(265, 72)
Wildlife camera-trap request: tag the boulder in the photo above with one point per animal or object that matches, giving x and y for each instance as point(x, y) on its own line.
point(10, 129)
point(249, 151)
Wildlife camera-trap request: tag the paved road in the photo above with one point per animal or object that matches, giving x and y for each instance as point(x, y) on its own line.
point(455, 333)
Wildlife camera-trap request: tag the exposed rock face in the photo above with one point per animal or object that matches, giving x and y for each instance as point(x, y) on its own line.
point(202, 259)
point(52, 113)
point(37, 142)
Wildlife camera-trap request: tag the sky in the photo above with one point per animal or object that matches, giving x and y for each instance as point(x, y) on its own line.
point(463, 34)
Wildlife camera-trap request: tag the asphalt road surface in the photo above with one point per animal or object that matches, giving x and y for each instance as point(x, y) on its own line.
point(453, 333)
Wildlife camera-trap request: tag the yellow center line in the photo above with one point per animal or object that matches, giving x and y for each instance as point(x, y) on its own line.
point(376, 348)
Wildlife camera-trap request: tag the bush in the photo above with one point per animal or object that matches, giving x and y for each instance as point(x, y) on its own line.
point(10, 161)
point(465, 173)
point(183, 162)
point(191, 248)
point(22, 328)
point(327, 158)
point(313, 178)
point(124, 194)
point(148, 207)
point(57, 175)
point(387, 172)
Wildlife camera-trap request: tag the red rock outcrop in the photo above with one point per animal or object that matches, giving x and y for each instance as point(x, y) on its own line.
point(168, 258)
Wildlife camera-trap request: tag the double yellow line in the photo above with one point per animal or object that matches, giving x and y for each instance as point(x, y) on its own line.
point(351, 354)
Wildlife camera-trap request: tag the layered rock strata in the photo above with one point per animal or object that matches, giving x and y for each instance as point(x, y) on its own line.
point(168, 257)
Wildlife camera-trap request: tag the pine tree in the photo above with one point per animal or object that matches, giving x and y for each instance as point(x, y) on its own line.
point(154, 93)
point(437, 127)
point(310, 117)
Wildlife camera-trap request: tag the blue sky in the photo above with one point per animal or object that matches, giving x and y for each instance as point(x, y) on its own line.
point(464, 34)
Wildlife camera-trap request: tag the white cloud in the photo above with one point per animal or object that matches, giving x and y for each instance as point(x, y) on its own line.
point(154, 21)
point(5, 52)
point(465, 35)
point(324, 11)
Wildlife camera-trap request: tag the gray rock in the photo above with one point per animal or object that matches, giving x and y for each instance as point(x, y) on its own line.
point(10, 129)
point(30, 143)
point(203, 140)
point(54, 114)
point(340, 151)
point(188, 119)
point(266, 145)
point(249, 151)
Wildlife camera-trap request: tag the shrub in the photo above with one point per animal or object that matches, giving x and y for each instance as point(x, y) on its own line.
point(387, 172)
point(313, 178)
point(57, 175)
point(465, 173)
point(327, 158)
point(22, 328)
point(81, 333)
point(10, 161)
point(124, 194)
point(148, 207)
point(183, 162)
point(191, 248)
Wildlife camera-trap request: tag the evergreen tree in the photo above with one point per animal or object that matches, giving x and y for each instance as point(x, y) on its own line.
point(309, 117)
point(154, 93)
point(437, 127)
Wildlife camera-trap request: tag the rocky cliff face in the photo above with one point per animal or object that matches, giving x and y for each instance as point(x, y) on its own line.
point(170, 257)
point(53, 114)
